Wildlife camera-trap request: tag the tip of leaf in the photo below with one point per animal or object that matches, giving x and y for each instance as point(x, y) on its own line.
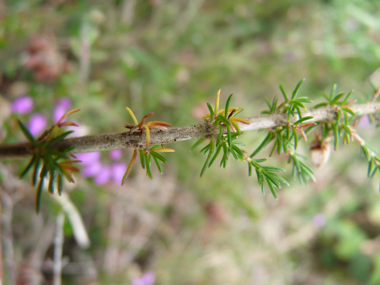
point(130, 112)
point(217, 101)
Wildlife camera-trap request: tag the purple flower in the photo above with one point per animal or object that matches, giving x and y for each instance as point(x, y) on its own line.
point(37, 124)
point(92, 169)
point(62, 106)
point(88, 157)
point(364, 122)
point(115, 154)
point(118, 171)
point(148, 278)
point(103, 176)
point(319, 220)
point(22, 105)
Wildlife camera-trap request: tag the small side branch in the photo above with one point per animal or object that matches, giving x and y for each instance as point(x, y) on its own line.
point(137, 140)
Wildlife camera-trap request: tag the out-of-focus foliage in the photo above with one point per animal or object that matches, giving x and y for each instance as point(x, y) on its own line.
point(171, 57)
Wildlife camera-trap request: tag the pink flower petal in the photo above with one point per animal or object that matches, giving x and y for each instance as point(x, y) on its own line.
point(148, 278)
point(22, 105)
point(92, 170)
point(103, 176)
point(364, 122)
point(37, 124)
point(88, 157)
point(118, 171)
point(62, 106)
point(116, 154)
point(319, 220)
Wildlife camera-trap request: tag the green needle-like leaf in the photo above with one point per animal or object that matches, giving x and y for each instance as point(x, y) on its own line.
point(260, 180)
point(336, 98)
point(284, 93)
point(60, 137)
point(224, 120)
point(211, 151)
point(274, 148)
point(259, 160)
point(249, 169)
point(26, 132)
point(336, 136)
point(366, 152)
point(347, 97)
point(205, 149)
point(227, 106)
point(60, 184)
point(235, 124)
point(303, 120)
point(157, 163)
point(51, 181)
point(278, 177)
point(348, 110)
point(158, 156)
point(235, 155)
point(142, 158)
point(237, 112)
point(274, 104)
point(238, 151)
point(269, 105)
point(296, 103)
point(129, 166)
point(267, 140)
point(370, 167)
point(320, 105)
point(218, 149)
point(295, 136)
point(200, 141)
point(332, 93)
point(45, 168)
point(36, 171)
point(148, 160)
point(38, 196)
point(374, 171)
point(210, 110)
point(271, 188)
point(295, 92)
point(273, 168)
point(347, 129)
point(29, 166)
point(229, 137)
point(220, 136)
point(279, 143)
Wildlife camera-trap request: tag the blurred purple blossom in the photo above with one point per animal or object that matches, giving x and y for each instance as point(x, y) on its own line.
point(319, 220)
point(22, 105)
point(364, 122)
point(62, 106)
point(118, 171)
point(92, 169)
point(37, 124)
point(148, 278)
point(115, 154)
point(88, 157)
point(103, 176)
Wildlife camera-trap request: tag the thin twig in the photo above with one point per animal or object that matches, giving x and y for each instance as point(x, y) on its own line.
point(58, 245)
point(137, 139)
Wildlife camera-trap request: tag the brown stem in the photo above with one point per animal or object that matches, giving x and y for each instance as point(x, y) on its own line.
point(158, 136)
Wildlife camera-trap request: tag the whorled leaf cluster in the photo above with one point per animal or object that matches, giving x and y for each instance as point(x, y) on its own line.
point(47, 161)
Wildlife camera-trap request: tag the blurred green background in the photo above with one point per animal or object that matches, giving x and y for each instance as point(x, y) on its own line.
point(171, 57)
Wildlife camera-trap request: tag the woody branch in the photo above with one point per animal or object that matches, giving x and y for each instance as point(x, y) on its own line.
point(136, 139)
